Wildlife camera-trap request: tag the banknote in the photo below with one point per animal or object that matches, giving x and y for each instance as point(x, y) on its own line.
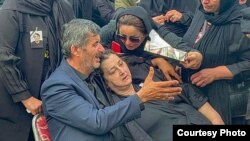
point(159, 46)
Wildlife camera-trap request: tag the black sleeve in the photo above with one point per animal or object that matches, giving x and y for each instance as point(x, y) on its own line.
point(241, 67)
point(187, 18)
point(173, 39)
point(106, 9)
point(10, 75)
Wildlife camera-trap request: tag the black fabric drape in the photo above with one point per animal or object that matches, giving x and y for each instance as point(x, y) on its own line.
point(160, 7)
point(54, 38)
point(98, 89)
point(134, 128)
point(22, 66)
point(52, 11)
point(82, 8)
point(245, 22)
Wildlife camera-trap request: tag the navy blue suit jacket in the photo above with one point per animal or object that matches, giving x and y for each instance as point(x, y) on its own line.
point(73, 112)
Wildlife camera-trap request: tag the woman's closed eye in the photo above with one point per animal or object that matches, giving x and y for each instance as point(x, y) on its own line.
point(116, 68)
point(111, 71)
point(120, 63)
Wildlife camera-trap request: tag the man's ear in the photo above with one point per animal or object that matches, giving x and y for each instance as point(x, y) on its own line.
point(74, 50)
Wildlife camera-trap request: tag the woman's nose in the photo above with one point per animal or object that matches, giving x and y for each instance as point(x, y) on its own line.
point(121, 70)
point(128, 43)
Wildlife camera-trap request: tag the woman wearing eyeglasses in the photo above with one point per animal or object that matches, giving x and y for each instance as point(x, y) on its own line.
point(130, 32)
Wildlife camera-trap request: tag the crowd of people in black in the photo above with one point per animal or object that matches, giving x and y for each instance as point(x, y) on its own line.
point(83, 65)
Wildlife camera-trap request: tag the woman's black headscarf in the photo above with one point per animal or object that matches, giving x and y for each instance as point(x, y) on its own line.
point(142, 14)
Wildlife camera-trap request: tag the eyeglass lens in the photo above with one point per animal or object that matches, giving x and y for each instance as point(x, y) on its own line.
point(124, 38)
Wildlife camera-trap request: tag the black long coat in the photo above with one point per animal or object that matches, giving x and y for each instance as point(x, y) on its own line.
point(222, 45)
point(21, 66)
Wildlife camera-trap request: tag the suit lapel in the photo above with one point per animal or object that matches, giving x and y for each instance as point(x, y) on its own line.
point(86, 93)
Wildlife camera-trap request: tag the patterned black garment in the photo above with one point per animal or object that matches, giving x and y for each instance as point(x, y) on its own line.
point(23, 67)
point(223, 44)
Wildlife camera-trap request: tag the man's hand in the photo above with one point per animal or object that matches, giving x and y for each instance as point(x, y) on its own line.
point(167, 69)
point(33, 105)
point(193, 60)
point(164, 90)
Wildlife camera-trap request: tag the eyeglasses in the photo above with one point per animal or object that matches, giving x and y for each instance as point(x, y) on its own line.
point(132, 39)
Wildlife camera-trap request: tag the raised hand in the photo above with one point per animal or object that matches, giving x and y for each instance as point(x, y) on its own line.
point(164, 90)
point(167, 69)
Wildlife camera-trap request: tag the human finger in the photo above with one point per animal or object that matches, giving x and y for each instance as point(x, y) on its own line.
point(168, 16)
point(171, 90)
point(150, 75)
point(167, 95)
point(169, 83)
point(167, 76)
point(176, 76)
point(195, 78)
point(170, 98)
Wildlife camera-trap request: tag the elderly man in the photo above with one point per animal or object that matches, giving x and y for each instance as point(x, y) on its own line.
point(75, 100)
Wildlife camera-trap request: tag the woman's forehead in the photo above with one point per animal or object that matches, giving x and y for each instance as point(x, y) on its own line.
point(129, 30)
point(111, 61)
